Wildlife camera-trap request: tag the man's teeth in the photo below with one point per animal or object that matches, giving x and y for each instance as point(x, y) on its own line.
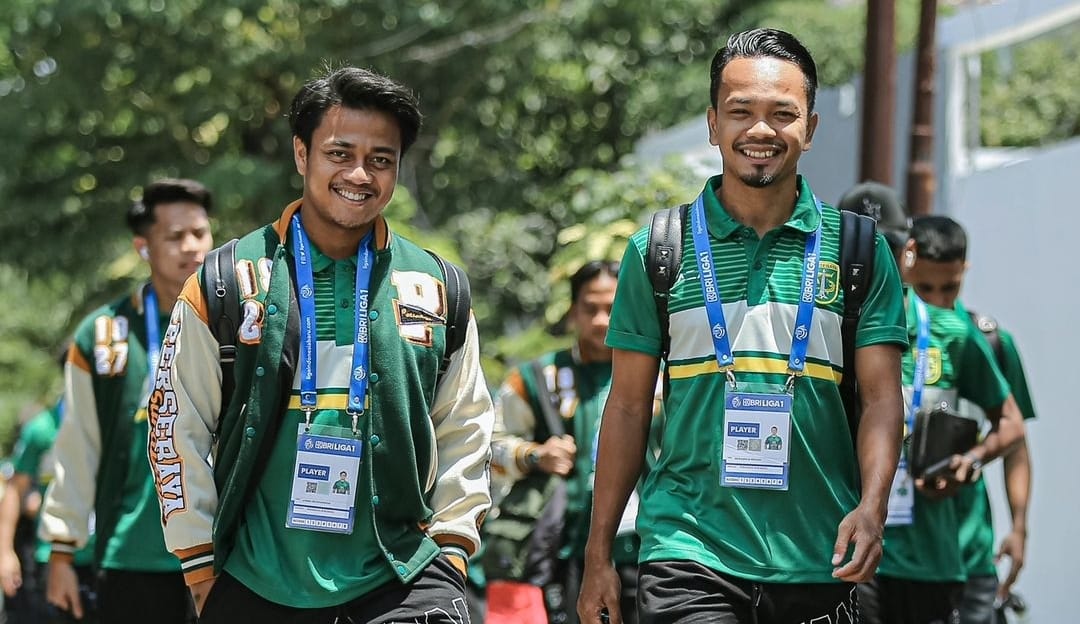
point(351, 196)
point(765, 154)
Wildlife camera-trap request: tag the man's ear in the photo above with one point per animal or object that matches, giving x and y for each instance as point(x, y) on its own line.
point(141, 246)
point(714, 129)
point(811, 127)
point(300, 155)
point(910, 254)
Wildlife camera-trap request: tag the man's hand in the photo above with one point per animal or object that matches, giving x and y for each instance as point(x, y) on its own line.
point(62, 588)
point(10, 572)
point(945, 483)
point(1013, 547)
point(199, 592)
point(600, 590)
point(863, 526)
point(556, 456)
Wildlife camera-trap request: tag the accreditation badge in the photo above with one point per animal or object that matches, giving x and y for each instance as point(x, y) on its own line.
point(325, 479)
point(901, 510)
point(757, 440)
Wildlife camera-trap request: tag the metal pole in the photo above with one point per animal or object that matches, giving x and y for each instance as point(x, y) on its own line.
point(879, 93)
point(920, 179)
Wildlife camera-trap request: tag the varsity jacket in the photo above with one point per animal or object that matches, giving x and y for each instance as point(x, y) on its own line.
point(104, 396)
point(429, 457)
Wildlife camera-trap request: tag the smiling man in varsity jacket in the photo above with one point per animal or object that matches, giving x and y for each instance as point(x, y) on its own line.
point(342, 334)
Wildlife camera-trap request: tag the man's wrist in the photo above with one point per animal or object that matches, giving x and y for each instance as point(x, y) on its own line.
point(527, 453)
point(532, 459)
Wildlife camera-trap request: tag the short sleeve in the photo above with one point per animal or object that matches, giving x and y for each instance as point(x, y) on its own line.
point(634, 324)
point(1013, 369)
point(979, 379)
point(883, 318)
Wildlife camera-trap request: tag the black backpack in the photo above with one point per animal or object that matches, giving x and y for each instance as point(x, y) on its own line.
point(223, 310)
point(989, 328)
point(857, 233)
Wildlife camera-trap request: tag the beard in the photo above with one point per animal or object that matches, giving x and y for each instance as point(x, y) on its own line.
point(757, 179)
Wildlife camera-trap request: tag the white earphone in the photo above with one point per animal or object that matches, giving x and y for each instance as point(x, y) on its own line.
point(143, 253)
point(909, 259)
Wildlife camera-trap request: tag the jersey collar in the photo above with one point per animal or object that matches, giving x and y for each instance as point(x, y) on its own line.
point(804, 217)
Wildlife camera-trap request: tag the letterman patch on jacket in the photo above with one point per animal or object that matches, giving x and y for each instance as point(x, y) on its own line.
point(110, 345)
point(420, 304)
point(250, 278)
point(166, 464)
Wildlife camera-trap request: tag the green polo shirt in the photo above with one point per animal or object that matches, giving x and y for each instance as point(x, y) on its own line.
point(973, 503)
point(320, 569)
point(959, 365)
point(760, 535)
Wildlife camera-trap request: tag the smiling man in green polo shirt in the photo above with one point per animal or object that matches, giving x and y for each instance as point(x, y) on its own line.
point(728, 533)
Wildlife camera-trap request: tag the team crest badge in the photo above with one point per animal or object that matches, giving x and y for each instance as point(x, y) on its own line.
point(933, 365)
point(828, 282)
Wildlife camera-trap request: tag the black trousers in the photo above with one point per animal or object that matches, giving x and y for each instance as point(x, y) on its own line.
point(437, 596)
point(126, 597)
point(685, 592)
point(888, 600)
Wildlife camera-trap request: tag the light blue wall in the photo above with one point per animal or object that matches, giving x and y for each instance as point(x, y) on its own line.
point(1025, 271)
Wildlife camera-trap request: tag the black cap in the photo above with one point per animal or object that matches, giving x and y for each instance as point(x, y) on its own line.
point(882, 204)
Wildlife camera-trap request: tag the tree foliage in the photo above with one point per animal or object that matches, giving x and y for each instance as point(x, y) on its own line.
point(530, 107)
point(1029, 95)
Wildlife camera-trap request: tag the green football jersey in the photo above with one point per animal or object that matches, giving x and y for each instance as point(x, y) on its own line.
point(973, 503)
point(766, 536)
point(959, 365)
point(320, 569)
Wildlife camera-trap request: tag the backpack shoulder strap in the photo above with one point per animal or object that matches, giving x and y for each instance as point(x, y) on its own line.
point(547, 400)
point(857, 243)
point(459, 302)
point(989, 328)
point(663, 257)
point(223, 310)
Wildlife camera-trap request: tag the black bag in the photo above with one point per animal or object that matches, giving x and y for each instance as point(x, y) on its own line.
point(522, 540)
point(939, 434)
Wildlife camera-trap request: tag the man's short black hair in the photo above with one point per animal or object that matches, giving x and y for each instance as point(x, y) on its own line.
point(359, 89)
point(765, 42)
point(939, 239)
point(588, 272)
point(140, 215)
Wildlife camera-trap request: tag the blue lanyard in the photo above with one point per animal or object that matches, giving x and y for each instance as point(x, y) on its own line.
point(153, 331)
point(922, 348)
point(715, 308)
point(358, 380)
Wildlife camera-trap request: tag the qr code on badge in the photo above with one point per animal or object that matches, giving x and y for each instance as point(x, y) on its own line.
point(312, 487)
point(740, 445)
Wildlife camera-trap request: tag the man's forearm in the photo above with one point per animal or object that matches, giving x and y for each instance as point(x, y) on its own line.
point(1018, 485)
point(619, 462)
point(879, 442)
point(1006, 433)
point(10, 506)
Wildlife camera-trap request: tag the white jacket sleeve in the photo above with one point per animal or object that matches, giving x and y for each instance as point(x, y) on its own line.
point(183, 411)
point(462, 417)
point(515, 431)
point(69, 502)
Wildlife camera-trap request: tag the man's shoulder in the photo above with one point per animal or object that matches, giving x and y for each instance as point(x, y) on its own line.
point(258, 243)
point(121, 306)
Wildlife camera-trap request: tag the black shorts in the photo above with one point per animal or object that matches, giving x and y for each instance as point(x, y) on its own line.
point(684, 592)
point(437, 596)
point(889, 600)
point(126, 597)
